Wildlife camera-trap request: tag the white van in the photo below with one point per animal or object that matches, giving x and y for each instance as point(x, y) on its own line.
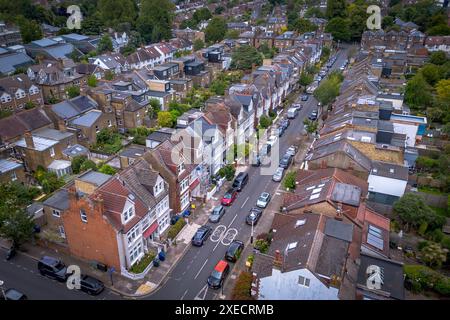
point(292, 113)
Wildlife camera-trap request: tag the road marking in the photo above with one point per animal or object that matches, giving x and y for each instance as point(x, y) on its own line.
point(245, 202)
point(229, 236)
point(232, 220)
point(204, 263)
point(184, 294)
point(183, 273)
point(216, 236)
point(205, 289)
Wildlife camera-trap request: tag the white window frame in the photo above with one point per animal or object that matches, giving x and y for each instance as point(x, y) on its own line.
point(52, 152)
point(128, 214)
point(305, 281)
point(181, 168)
point(13, 176)
point(62, 232)
point(184, 184)
point(135, 252)
point(56, 213)
point(184, 200)
point(132, 235)
point(83, 216)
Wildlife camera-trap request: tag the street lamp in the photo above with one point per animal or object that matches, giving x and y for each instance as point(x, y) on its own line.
point(251, 237)
point(1, 288)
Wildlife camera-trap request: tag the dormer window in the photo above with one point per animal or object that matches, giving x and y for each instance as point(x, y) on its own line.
point(128, 214)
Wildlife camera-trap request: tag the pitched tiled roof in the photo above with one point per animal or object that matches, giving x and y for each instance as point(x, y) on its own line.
point(28, 120)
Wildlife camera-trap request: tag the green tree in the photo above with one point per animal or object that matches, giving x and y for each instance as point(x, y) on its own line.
point(305, 79)
point(198, 44)
point(30, 30)
point(105, 44)
point(310, 126)
point(107, 169)
point(289, 180)
point(16, 224)
point(438, 58)
point(336, 8)
point(314, 12)
point(433, 255)
point(443, 92)
point(155, 107)
point(228, 172)
point(244, 57)
point(216, 30)
point(265, 121)
point(417, 92)
point(431, 73)
point(232, 34)
point(92, 81)
point(202, 14)
point(165, 119)
point(109, 75)
point(155, 20)
point(328, 89)
point(114, 12)
point(88, 165)
point(77, 162)
point(73, 91)
point(412, 212)
point(339, 28)
point(303, 25)
point(48, 180)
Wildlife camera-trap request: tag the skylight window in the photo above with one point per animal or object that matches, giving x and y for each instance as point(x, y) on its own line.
point(300, 222)
point(316, 190)
point(314, 196)
point(292, 245)
point(310, 188)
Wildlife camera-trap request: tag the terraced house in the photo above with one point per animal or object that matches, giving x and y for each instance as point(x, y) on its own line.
point(18, 92)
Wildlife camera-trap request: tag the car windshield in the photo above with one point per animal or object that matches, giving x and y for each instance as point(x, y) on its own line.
point(227, 195)
point(216, 275)
point(198, 235)
point(252, 216)
point(60, 266)
point(216, 211)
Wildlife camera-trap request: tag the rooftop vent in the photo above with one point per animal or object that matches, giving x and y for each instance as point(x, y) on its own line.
point(391, 170)
point(300, 222)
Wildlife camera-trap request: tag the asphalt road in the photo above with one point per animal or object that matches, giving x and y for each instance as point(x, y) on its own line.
point(21, 273)
point(187, 280)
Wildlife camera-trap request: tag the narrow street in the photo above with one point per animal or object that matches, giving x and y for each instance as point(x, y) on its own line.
point(187, 280)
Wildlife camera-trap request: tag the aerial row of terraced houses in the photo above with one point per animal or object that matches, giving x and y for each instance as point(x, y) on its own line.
point(116, 219)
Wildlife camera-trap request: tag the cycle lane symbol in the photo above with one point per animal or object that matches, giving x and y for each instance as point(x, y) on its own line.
point(217, 233)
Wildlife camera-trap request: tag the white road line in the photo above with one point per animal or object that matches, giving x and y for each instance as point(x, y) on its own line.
point(217, 244)
point(245, 202)
point(184, 294)
point(204, 263)
point(232, 220)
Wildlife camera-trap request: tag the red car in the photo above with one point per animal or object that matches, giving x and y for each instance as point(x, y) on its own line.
point(229, 197)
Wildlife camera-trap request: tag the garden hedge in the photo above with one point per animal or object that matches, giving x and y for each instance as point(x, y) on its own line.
point(176, 228)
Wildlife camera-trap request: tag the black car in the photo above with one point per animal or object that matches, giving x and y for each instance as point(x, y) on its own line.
point(256, 161)
point(201, 235)
point(234, 251)
point(218, 275)
point(280, 130)
point(13, 294)
point(53, 268)
point(285, 161)
point(305, 97)
point(253, 216)
point(313, 115)
point(285, 123)
point(91, 285)
point(240, 181)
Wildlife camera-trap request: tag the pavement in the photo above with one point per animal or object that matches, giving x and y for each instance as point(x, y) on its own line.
point(183, 274)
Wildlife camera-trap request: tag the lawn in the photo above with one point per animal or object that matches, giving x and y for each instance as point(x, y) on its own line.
point(431, 190)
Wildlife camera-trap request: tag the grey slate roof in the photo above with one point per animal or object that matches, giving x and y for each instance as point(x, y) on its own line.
point(75, 150)
point(88, 119)
point(59, 200)
point(389, 170)
point(8, 165)
point(338, 229)
point(96, 178)
point(10, 61)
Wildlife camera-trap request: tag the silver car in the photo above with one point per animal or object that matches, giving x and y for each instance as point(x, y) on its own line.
point(216, 214)
point(292, 150)
point(263, 200)
point(278, 175)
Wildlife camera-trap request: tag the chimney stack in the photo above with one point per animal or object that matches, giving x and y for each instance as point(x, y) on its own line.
point(339, 212)
point(62, 125)
point(29, 140)
point(278, 261)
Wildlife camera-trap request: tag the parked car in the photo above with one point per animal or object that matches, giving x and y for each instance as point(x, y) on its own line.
point(305, 97)
point(240, 181)
point(272, 140)
point(91, 285)
point(313, 115)
point(292, 150)
point(253, 216)
point(201, 235)
point(285, 161)
point(263, 200)
point(216, 214)
point(53, 268)
point(256, 160)
point(265, 150)
point(280, 130)
point(319, 104)
point(218, 275)
point(297, 106)
point(285, 123)
point(234, 251)
point(278, 175)
point(292, 113)
point(13, 294)
point(229, 197)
